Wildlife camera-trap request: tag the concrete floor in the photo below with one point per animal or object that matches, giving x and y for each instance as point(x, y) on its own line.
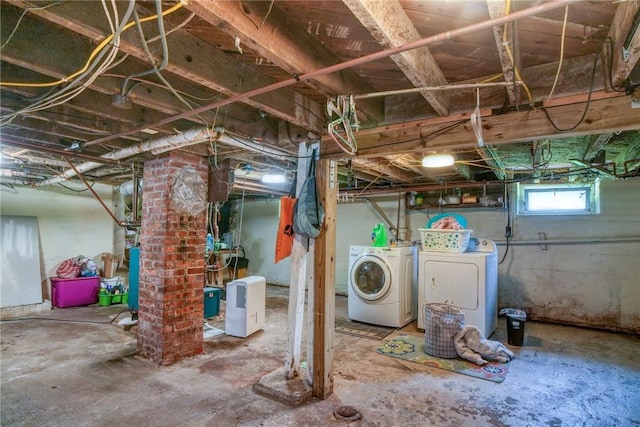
point(58, 373)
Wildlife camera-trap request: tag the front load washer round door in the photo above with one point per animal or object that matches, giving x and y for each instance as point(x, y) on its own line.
point(370, 278)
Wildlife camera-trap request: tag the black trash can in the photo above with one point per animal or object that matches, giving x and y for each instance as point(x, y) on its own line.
point(515, 329)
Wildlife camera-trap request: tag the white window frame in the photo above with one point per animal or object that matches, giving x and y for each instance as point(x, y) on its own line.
point(592, 191)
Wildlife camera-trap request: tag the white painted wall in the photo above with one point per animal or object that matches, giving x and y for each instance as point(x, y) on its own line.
point(70, 223)
point(595, 284)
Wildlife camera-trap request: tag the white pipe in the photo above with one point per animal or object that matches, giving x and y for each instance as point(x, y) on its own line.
point(195, 135)
point(569, 241)
point(189, 137)
point(250, 145)
point(402, 216)
point(433, 88)
point(13, 181)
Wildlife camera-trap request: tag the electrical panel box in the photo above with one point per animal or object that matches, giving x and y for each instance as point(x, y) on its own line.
point(245, 310)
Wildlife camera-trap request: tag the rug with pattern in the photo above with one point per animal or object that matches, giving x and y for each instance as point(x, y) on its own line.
point(364, 330)
point(411, 348)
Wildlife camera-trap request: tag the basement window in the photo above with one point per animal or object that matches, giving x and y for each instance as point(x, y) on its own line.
point(558, 199)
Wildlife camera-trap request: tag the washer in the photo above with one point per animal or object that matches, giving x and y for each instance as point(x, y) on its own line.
point(382, 287)
point(468, 280)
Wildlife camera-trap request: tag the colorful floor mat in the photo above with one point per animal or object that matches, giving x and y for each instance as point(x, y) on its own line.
point(364, 330)
point(411, 348)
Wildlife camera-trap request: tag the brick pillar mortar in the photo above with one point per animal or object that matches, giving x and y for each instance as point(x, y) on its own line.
point(172, 240)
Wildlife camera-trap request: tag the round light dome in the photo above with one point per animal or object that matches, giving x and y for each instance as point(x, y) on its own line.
point(437, 160)
point(275, 178)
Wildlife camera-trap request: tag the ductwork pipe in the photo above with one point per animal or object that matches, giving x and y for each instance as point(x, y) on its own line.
point(253, 146)
point(184, 139)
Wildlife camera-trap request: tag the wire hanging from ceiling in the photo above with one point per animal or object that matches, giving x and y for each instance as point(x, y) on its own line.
point(562, 39)
point(341, 128)
point(78, 83)
point(476, 121)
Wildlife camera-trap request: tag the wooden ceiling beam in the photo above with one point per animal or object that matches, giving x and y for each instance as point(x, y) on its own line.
point(383, 167)
point(192, 60)
point(291, 48)
point(621, 27)
point(497, 9)
point(594, 147)
point(604, 115)
point(390, 26)
point(492, 160)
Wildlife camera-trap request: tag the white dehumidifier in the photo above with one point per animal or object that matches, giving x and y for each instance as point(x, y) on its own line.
point(245, 306)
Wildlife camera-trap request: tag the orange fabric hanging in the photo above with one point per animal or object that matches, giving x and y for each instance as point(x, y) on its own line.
point(284, 239)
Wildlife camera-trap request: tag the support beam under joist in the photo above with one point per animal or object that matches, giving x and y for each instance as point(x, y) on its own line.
point(604, 115)
point(493, 161)
point(497, 9)
point(622, 26)
point(324, 286)
point(388, 23)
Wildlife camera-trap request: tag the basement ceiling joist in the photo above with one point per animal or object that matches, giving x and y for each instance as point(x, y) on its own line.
point(264, 71)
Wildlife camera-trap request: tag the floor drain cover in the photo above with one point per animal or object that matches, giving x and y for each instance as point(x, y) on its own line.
point(347, 413)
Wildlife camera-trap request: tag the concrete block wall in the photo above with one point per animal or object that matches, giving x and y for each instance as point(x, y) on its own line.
point(587, 284)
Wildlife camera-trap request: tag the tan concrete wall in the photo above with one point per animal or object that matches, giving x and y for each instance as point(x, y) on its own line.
point(70, 223)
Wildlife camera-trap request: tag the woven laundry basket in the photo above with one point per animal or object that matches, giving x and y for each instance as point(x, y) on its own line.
point(441, 323)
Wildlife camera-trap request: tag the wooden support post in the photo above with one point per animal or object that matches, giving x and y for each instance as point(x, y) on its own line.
point(324, 282)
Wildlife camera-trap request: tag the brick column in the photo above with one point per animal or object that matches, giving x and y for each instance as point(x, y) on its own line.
point(172, 239)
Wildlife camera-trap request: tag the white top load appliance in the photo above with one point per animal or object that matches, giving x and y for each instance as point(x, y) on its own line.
point(468, 280)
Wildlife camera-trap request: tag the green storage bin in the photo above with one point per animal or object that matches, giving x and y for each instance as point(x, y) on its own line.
point(211, 301)
point(106, 300)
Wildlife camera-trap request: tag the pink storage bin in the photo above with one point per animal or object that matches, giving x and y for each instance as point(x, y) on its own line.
point(73, 292)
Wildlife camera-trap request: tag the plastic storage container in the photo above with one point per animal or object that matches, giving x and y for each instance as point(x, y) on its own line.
point(109, 299)
point(211, 301)
point(436, 240)
point(74, 292)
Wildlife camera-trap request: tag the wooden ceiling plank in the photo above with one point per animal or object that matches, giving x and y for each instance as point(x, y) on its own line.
point(604, 115)
point(407, 161)
point(497, 9)
point(44, 57)
point(192, 60)
point(383, 167)
point(390, 26)
point(594, 148)
point(492, 160)
point(620, 28)
point(289, 47)
point(58, 128)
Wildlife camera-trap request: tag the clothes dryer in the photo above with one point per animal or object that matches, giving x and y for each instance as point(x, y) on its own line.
point(468, 280)
point(382, 286)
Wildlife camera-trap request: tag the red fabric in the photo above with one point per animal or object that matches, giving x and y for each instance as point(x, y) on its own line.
point(284, 239)
point(69, 269)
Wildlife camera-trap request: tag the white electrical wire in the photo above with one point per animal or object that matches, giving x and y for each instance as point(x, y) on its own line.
point(72, 89)
point(345, 109)
point(476, 121)
point(564, 28)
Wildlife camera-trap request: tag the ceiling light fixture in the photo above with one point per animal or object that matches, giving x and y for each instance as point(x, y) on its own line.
point(437, 160)
point(273, 178)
